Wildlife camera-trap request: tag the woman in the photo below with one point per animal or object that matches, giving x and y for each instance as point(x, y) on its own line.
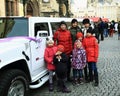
point(63, 37)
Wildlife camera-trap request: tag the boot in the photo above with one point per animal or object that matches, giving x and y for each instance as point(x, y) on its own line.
point(75, 81)
point(118, 38)
point(51, 87)
point(96, 80)
point(96, 84)
point(59, 86)
point(80, 80)
point(90, 76)
point(66, 90)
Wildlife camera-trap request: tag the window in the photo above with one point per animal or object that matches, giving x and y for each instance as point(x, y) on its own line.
point(55, 26)
point(41, 27)
point(45, 1)
point(11, 8)
point(12, 27)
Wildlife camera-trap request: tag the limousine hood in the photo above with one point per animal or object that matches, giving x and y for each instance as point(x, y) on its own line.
point(14, 42)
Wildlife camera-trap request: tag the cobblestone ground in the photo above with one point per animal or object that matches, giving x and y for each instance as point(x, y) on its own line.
point(109, 74)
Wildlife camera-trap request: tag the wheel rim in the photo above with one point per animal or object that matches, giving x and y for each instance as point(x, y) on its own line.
point(16, 89)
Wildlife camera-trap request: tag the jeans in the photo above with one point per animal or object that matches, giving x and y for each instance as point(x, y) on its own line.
point(51, 76)
point(93, 71)
point(106, 32)
point(77, 73)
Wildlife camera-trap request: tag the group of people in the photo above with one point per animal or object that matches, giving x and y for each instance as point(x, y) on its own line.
point(106, 29)
point(73, 49)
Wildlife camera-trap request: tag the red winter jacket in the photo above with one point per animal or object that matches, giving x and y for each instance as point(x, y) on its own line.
point(49, 55)
point(64, 38)
point(91, 46)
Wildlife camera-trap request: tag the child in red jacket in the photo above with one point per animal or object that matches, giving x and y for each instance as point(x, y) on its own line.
point(91, 46)
point(48, 56)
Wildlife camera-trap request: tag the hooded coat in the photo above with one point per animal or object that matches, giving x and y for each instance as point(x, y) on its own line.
point(63, 37)
point(49, 55)
point(78, 58)
point(91, 46)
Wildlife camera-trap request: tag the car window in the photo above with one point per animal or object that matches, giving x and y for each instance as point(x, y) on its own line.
point(40, 27)
point(55, 26)
point(11, 27)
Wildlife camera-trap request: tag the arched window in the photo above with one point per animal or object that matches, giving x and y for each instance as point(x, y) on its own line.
point(29, 9)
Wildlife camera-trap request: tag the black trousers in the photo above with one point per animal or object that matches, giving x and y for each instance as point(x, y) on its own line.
point(68, 69)
point(86, 73)
point(102, 35)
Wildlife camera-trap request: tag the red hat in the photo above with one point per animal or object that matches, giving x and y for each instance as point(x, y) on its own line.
point(60, 48)
point(79, 34)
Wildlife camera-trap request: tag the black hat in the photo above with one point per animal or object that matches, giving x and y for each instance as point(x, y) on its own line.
point(63, 22)
point(86, 21)
point(90, 30)
point(73, 21)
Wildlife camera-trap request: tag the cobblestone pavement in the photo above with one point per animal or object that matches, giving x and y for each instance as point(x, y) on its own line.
point(109, 74)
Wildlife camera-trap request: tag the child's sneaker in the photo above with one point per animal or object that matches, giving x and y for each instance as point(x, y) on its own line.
point(75, 81)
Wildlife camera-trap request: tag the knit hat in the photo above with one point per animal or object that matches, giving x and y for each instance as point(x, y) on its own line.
point(49, 41)
point(63, 22)
point(73, 21)
point(60, 48)
point(79, 34)
point(86, 21)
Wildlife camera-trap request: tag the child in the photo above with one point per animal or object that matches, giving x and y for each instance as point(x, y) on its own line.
point(79, 37)
point(91, 46)
point(60, 60)
point(48, 56)
point(78, 62)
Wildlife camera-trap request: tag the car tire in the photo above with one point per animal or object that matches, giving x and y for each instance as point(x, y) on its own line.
point(14, 83)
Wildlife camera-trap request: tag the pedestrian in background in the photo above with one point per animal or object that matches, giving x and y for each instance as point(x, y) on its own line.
point(116, 27)
point(63, 37)
point(111, 32)
point(48, 56)
point(106, 29)
point(96, 31)
point(119, 30)
point(101, 27)
point(78, 62)
point(91, 46)
point(60, 61)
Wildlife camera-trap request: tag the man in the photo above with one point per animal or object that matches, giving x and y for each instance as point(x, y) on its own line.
point(101, 27)
point(74, 29)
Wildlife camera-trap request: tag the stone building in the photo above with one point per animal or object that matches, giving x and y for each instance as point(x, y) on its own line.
point(47, 8)
point(100, 8)
point(19, 7)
